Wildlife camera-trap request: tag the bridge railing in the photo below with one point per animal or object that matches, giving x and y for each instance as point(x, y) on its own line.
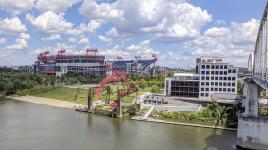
point(260, 65)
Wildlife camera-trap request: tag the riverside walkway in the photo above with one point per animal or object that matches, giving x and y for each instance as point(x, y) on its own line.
point(45, 101)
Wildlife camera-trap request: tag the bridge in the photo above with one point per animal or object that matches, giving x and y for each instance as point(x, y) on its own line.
point(252, 130)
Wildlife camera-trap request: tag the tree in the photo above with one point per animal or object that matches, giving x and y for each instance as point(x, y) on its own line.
point(239, 87)
point(132, 110)
point(155, 89)
point(142, 84)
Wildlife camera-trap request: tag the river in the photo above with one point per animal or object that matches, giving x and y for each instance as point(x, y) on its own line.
point(27, 126)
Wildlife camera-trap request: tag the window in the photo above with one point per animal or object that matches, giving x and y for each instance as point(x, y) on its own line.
point(220, 89)
point(233, 84)
point(216, 83)
point(207, 72)
point(202, 72)
point(216, 78)
point(229, 84)
point(212, 72)
point(207, 89)
point(233, 90)
point(207, 83)
point(202, 94)
point(229, 71)
point(211, 89)
point(212, 78)
point(225, 72)
point(229, 90)
point(224, 78)
point(207, 78)
point(224, 84)
point(233, 78)
point(203, 66)
point(216, 72)
point(217, 66)
point(221, 66)
point(202, 89)
point(70, 61)
point(208, 66)
point(225, 66)
point(206, 94)
point(229, 78)
point(220, 78)
point(224, 89)
point(220, 83)
point(202, 83)
point(216, 89)
point(203, 78)
point(221, 72)
point(212, 67)
point(212, 83)
point(234, 71)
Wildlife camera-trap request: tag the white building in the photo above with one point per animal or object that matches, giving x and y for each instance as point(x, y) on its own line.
point(213, 77)
point(216, 76)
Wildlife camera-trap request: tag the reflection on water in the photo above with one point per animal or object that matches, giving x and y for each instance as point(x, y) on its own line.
point(31, 127)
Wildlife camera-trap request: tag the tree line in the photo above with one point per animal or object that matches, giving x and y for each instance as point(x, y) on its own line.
point(14, 82)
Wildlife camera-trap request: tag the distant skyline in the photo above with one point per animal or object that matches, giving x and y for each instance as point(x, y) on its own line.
point(177, 31)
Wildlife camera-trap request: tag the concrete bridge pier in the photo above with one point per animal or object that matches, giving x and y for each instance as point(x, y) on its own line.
point(251, 94)
point(252, 132)
point(118, 109)
point(91, 92)
point(89, 103)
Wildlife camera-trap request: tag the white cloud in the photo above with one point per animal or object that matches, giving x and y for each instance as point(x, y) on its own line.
point(106, 11)
point(52, 37)
point(50, 22)
point(104, 39)
point(112, 53)
point(71, 39)
point(3, 40)
point(57, 6)
point(171, 58)
point(21, 42)
point(165, 20)
point(142, 49)
point(16, 6)
point(83, 40)
point(234, 42)
point(12, 25)
point(113, 33)
point(93, 25)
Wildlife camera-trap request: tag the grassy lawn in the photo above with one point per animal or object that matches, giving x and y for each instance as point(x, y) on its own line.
point(188, 121)
point(76, 95)
point(79, 95)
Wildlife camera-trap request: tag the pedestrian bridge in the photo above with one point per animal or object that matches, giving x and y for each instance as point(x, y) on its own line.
point(252, 130)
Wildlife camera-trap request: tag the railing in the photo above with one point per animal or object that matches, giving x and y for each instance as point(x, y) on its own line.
point(260, 65)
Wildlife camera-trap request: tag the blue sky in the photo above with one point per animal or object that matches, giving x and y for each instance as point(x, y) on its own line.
point(177, 31)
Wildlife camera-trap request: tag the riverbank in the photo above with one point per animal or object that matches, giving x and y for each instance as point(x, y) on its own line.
point(71, 105)
point(179, 123)
point(45, 101)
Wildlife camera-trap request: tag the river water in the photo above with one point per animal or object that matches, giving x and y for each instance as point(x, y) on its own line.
point(26, 126)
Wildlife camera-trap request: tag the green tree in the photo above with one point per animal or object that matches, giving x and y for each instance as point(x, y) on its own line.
point(132, 110)
point(239, 87)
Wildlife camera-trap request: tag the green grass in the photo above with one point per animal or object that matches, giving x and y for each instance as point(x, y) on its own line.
point(69, 94)
point(65, 94)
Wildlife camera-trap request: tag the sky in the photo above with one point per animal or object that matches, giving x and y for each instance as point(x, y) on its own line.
point(177, 31)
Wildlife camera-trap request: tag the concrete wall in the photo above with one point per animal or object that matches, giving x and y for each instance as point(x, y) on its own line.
point(167, 88)
point(252, 132)
point(179, 108)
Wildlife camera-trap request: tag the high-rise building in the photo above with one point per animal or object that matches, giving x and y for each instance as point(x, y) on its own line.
point(216, 76)
point(213, 76)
